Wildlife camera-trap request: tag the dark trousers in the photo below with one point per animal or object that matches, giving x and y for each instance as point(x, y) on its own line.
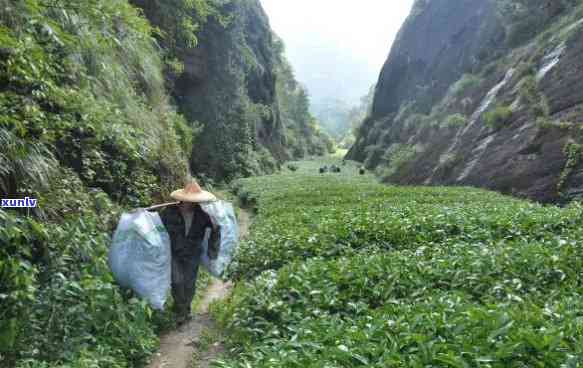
point(184, 273)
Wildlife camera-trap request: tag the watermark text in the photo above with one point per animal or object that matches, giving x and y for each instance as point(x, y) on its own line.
point(25, 202)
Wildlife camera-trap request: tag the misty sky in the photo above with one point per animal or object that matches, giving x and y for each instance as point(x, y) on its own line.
point(337, 48)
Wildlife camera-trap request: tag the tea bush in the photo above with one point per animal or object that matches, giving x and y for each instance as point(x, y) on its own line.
point(340, 271)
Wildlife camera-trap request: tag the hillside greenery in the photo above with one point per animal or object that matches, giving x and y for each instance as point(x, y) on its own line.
point(528, 18)
point(333, 115)
point(505, 91)
point(340, 271)
point(303, 136)
point(341, 120)
point(177, 23)
point(229, 85)
point(89, 129)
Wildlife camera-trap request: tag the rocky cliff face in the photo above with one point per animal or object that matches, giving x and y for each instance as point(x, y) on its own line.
point(457, 105)
point(229, 86)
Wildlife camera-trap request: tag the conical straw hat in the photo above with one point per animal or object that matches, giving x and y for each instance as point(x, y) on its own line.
point(193, 193)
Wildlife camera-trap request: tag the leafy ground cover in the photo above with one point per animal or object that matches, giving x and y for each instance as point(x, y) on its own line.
point(87, 129)
point(340, 271)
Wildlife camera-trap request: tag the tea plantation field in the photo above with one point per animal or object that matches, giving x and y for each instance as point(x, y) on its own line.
point(340, 271)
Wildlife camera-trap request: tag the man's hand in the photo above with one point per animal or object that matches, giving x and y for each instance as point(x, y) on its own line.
point(214, 242)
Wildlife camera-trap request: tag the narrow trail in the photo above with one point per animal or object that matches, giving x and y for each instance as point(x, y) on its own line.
point(177, 347)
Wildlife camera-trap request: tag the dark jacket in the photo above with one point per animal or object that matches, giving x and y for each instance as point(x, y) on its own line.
point(190, 245)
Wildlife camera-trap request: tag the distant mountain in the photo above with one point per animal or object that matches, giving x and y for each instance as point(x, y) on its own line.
point(339, 118)
point(328, 70)
point(486, 93)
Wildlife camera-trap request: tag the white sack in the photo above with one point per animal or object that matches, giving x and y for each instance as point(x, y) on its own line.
point(140, 256)
point(223, 215)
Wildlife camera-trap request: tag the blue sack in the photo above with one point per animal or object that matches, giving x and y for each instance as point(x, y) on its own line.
point(223, 215)
point(140, 256)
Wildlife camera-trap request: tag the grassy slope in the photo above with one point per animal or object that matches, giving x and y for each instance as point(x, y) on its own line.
point(86, 128)
point(340, 271)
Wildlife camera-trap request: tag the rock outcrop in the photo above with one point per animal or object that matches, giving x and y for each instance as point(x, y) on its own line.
point(229, 87)
point(456, 105)
point(438, 43)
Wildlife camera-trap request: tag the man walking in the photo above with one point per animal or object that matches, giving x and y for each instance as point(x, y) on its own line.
point(187, 224)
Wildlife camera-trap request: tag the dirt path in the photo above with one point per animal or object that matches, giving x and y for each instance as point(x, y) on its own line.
point(177, 347)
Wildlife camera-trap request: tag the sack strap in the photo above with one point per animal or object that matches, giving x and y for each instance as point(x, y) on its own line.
point(158, 206)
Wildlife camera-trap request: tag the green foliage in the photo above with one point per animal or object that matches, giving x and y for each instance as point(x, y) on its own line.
point(56, 274)
point(535, 100)
point(356, 116)
point(574, 153)
point(373, 152)
point(497, 117)
point(466, 83)
point(178, 22)
point(333, 115)
point(85, 126)
point(528, 18)
point(545, 123)
point(341, 271)
point(302, 133)
point(24, 166)
point(529, 89)
point(395, 157)
point(253, 112)
point(456, 121)
point(90, 92)
point(450, 161)
point(341, 120)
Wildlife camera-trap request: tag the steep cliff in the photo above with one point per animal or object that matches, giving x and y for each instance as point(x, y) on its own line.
point(228, 87)
point(482, 93)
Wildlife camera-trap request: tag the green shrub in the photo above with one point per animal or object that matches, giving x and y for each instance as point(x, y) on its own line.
point(456, 120)
point(546, 123)
point(395, 157)
point(85, 127)
point(531, 95)
point(466, 83)
point(24, 166)
point(498, 117)
point(57, 275)
point(526, 69)
point(527, 18)
point(303, 135)
point(450, 161)
point(529, 90)
point(574, 154)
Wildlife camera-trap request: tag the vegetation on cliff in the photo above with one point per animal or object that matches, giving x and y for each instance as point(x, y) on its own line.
point(340, 119)
point(493, 100)
point(86, 126)
point(228, 84)
point(303, 136)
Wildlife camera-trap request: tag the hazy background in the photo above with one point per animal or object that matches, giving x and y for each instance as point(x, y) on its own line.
point(337, 48)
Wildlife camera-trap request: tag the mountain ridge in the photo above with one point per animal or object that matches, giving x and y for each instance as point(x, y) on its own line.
point(504, 115)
